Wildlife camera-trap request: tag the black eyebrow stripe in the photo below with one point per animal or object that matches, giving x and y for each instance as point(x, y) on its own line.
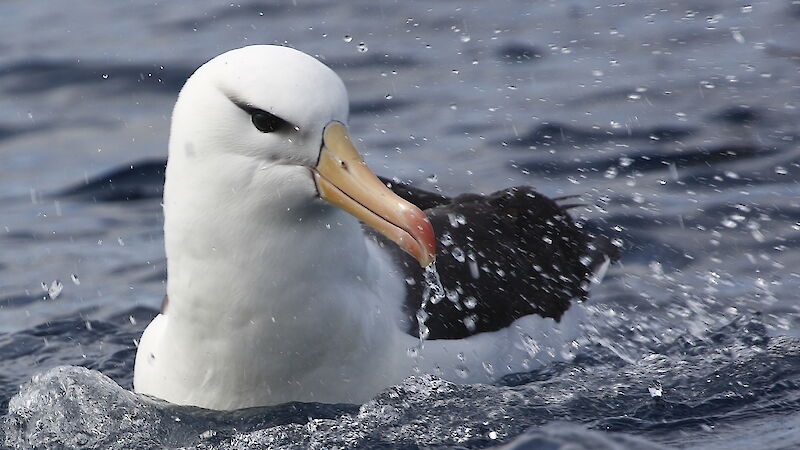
point(250, 109)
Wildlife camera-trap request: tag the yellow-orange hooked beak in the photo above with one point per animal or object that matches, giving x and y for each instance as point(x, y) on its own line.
point(343, 178)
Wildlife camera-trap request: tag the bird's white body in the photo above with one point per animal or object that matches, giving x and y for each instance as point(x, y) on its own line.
point(275, 295)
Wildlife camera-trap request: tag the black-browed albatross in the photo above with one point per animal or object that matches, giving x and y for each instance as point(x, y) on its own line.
point(277, 293)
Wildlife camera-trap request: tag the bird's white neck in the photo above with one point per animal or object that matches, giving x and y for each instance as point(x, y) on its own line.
point(237, 255)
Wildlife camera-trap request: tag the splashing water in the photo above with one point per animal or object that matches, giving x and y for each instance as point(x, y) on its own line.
point(433, 292)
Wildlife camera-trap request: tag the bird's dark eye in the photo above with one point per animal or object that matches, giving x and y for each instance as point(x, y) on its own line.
point(267, 122)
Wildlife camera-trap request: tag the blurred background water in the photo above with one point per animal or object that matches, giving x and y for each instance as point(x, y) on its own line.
point(676, 122)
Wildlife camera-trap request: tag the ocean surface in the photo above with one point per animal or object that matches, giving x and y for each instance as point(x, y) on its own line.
point(676, 123)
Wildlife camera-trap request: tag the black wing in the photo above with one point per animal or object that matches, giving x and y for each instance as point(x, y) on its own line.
point(500, 257)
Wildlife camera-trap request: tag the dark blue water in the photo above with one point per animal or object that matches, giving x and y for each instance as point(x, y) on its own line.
point(676, 123)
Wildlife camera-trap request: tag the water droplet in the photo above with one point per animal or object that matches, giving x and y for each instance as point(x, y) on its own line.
point(432, 178)
point(625, 161)
point(469, 322)
point(424, 332)
point(465, 38)
point(452, 296)
point(105, 76)
point(530, 345)
point(388, 96)
point(452, 218)
point(493, 435)
point(362, 47)
point(747, 8)
point(458, 254)
point(433, 292)
point(75, 279)
point(53, 289)
point(728, 223)
point(470, 302)
point(473, 267)
point(656, 390)
point(347, 38)
point(446, 239)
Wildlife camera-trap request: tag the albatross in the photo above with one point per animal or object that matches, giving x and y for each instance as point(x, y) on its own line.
point(296, 274)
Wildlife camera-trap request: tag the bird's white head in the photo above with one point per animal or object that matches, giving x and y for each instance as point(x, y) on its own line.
point(259, 142)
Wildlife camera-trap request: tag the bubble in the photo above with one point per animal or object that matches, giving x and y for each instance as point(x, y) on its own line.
point(362, 47)
point(347, 38)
